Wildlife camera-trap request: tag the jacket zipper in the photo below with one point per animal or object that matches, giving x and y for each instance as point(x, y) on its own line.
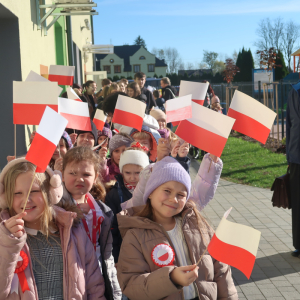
point(193, 262)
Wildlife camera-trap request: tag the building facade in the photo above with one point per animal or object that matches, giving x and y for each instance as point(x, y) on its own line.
point(128, 60)
point(25, 47)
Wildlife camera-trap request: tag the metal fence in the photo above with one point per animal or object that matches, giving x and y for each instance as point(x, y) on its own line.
point(273, 95)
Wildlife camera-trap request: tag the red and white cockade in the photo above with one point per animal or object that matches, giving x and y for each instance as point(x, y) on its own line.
point(19, 276)
point(163, 255)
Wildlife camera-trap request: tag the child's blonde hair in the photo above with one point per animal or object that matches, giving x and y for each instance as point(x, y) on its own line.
point(43, 179)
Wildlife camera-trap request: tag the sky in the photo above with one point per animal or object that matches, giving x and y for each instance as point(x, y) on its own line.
point(190, 26)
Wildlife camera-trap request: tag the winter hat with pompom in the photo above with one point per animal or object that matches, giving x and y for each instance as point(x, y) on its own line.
point(55, 191)
point(168, 169)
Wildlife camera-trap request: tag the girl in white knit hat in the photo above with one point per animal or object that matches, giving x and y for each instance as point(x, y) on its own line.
point(132, 161)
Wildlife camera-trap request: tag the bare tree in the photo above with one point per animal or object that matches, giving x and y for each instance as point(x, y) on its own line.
point(270, 34)
point(173, 59)
point(290, 36)
point(210, 58)
point(181, 65)
point(234, 56)
point(190, 66)
point(203, 65)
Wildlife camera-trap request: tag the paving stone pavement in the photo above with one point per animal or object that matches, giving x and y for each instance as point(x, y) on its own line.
point(276, 274)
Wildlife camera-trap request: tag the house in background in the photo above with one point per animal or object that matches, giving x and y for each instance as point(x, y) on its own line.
point(128, 60)
point(198, 72)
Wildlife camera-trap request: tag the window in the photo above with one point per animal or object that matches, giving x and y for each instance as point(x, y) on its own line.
point(111, 61)
point(107, 69)
point(150, 68)
point(142, 57)
point(117, 69)
point(136, 68)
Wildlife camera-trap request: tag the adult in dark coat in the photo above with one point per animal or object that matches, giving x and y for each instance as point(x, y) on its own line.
point(293, 158)
point(168, 91)
point(140, 78)
point(117, 195)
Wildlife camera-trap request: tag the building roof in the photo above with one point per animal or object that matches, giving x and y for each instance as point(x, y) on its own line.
point(195, 72)
point(125, 52)
point(296, 53)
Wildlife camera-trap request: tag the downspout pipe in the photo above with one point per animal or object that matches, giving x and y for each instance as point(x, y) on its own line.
point(94, 56)
point(70, 42)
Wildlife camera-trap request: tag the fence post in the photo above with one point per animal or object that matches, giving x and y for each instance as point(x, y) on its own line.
point(282, 110)
point(259, 91)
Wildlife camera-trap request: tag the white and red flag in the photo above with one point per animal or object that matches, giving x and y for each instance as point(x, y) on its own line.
point(32, 76)
point(46, 139)
point(207, 129)
point(99, 119)
point(235, 244)
point(77, 114)
point(129, 112)
point(252, 117)
point(30, 99)
point(197, 89)
point(179, 109)
point(63, 75)
point(72, 94)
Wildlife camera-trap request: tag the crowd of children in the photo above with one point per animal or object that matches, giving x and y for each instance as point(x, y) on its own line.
point(121, 221)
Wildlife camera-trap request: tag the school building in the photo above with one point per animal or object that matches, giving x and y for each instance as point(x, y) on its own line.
point(35, 33)
point(128, 60)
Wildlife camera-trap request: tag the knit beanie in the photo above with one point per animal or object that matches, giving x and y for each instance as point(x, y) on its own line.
point(158, 114)
point(135, 157)
point(94, 132)
point(119, 140)
point(168, 169)
point(106, 132)
point(67, 139)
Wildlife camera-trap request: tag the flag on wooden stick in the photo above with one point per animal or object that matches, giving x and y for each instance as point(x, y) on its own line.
point(179, 109)
point(63, 75)
point(99, 119)
point(252, 117)
point(30, 100)
point(197, 89)
point(129, 112)
point(32, 76)
point(207, 129)
point(235, 244)
point(72, 95)
point(77, 114)
point(46, 139)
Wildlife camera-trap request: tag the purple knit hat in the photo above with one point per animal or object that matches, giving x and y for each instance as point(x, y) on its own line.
point(105, 131)
point(168, 169)
point(67, 139)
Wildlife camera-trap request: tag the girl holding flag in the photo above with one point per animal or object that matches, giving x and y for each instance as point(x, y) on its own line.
point(168, 238)
point(44, 252)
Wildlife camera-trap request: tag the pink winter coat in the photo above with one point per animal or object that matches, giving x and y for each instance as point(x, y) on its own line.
point(82, 275)
point(109, 171)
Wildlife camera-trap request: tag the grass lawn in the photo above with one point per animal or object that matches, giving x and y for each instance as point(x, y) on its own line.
point(249, 163)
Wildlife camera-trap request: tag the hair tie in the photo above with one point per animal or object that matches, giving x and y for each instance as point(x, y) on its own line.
point(138, 145)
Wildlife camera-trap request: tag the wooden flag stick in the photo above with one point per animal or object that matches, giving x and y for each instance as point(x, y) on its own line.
point(201, 257)
point(15, 137)
point(29, 190)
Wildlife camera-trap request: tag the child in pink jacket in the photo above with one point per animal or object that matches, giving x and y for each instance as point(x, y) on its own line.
point(43, 253)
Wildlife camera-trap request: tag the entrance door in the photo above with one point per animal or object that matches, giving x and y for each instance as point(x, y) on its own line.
point(10, 70)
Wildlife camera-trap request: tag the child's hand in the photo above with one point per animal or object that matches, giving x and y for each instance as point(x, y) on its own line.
point(163, 149)
point(32, 136)
point(184, 149)
point(15, 224)
point(58, 164)
point(175, 149)
point(214, 158)
point(103, 153)
point(184, 276)
point(73, 137)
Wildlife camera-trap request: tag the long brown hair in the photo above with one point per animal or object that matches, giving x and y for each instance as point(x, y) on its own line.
point(136, 88)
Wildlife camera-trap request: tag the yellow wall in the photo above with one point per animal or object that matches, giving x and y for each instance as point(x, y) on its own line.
point(117, 62)
point(35, 47)
point(150, 59)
